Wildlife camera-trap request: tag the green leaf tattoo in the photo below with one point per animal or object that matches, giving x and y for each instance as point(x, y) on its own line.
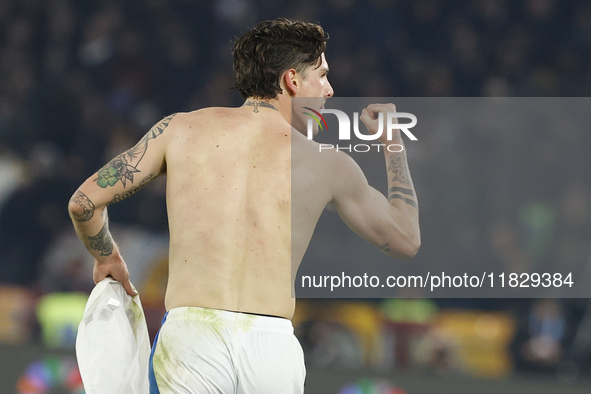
point(117, 170)
point(122, 167)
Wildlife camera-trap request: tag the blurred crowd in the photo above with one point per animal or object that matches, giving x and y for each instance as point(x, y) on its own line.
point(82, 81)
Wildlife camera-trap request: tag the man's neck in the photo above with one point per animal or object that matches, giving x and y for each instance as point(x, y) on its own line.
point(281, 104)
point(256, 103)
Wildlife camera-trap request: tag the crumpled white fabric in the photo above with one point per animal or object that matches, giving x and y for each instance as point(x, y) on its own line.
point(113, 346)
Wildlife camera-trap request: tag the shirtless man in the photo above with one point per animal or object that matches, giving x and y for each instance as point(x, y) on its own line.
point(244, 193)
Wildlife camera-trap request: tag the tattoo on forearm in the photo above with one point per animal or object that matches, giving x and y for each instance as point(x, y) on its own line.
point(102, 242)
point(128, 193)
point(399, 192)
point(408, 192)
point(385, 247)
point(87, 206)
point(398, 169)
point(122, 167)
point(406, 200)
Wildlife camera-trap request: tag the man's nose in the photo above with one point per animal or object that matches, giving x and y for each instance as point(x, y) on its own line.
point(330, 91)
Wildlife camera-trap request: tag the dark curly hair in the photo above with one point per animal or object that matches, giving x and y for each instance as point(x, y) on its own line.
point(271, 48)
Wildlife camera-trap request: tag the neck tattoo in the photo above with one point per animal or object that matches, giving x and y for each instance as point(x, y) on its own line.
point(257, 104)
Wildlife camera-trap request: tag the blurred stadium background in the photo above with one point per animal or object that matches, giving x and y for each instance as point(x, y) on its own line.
point(82, 81)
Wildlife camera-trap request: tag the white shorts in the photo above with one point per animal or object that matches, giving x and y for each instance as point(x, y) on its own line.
point(200, 350)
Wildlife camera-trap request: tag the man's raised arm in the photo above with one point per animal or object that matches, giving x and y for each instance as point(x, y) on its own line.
point(390, 223)
point(120, 178)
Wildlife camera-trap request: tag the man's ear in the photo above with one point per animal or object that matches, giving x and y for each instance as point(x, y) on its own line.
point(291, 81)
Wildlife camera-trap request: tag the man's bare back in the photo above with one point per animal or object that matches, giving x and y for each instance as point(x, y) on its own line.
point(245, 192)
point(257, 188)
point(229, 209)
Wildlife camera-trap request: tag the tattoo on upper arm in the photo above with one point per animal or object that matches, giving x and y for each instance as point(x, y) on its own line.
point(122, 167)
point(128, 193)
point(102, 242)
point(87, 206)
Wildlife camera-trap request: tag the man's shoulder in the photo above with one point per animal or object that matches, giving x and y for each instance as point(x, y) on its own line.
point(320, 156)
point(202, 117)
point(203, 113)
